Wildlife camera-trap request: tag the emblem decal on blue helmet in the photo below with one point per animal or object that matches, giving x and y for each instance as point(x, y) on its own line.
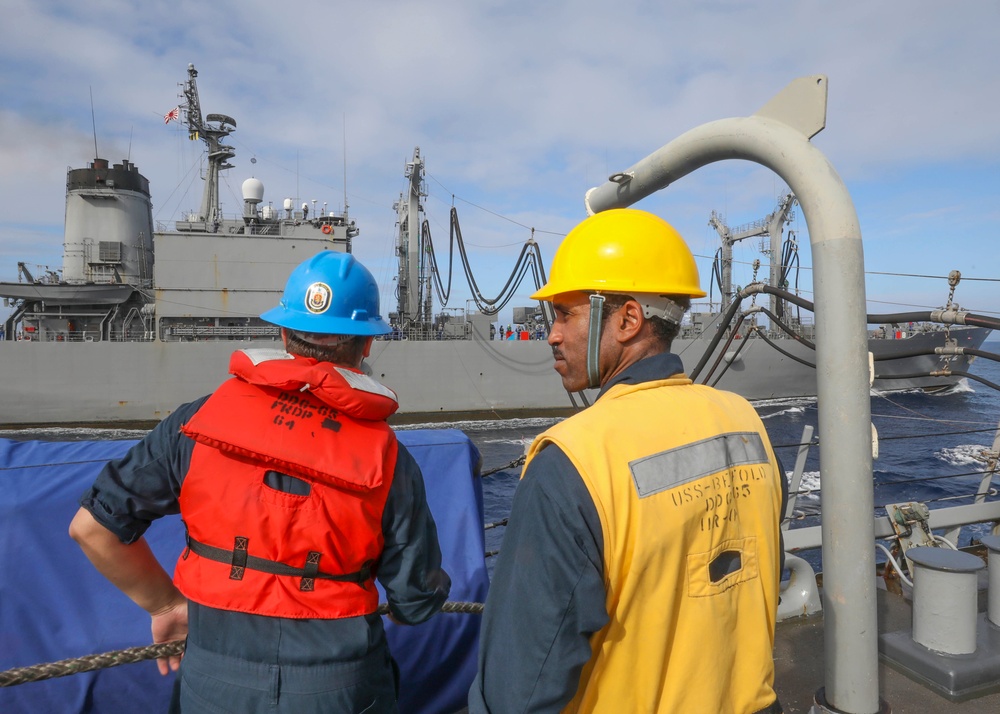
point(318, 297)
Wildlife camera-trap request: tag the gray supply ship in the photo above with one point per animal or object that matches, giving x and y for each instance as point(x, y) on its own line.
point(142, 319)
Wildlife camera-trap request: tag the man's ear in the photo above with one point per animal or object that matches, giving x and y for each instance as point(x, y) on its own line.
point(629, 321)
point(368, 347)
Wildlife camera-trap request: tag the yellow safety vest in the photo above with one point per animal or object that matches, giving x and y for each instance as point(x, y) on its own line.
point(688, 493)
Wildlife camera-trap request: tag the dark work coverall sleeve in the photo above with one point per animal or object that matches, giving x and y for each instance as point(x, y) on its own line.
point(410, 567)
point(133, 491)
point(547, 594)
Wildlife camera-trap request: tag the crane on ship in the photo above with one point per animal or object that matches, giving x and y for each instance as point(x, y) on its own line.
point(414, 298)
point(782, 254)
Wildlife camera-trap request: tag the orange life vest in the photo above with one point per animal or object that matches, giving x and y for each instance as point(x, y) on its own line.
point(255, 548)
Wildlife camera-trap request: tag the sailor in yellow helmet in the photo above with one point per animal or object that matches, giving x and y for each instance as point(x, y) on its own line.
point(640, 568)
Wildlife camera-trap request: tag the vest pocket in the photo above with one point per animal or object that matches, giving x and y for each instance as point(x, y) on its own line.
point(284, 491)
point(728, 564)
point(287, 484)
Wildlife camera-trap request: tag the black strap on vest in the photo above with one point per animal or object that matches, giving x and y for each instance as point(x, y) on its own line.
point(240, 560)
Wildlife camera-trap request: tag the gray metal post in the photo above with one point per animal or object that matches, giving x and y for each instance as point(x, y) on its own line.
point(992, 543)
point(796, 480)
point(778, 136)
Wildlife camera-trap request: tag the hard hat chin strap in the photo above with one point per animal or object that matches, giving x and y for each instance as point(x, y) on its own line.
point(594, 341)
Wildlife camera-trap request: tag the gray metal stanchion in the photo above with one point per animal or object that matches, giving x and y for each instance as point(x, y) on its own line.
point(992, 542)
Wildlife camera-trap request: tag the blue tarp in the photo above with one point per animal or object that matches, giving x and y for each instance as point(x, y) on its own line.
point(54, 605)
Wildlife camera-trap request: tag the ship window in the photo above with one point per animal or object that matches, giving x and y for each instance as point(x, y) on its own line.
point(110, 251)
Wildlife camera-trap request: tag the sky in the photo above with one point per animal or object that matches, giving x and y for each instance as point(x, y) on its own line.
point(518, 109)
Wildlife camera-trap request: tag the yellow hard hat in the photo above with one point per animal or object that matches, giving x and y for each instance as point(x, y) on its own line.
point(623, 250)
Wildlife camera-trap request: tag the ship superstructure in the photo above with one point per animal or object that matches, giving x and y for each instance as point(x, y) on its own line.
point(207, 277)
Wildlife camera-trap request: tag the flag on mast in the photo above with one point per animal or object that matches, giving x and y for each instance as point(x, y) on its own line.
point(173, 115)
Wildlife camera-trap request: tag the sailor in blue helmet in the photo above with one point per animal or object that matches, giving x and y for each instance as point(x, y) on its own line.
point(295, 494)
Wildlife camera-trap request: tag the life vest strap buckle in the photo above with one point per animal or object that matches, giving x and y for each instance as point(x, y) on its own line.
point(308, 582)
point(239, 563)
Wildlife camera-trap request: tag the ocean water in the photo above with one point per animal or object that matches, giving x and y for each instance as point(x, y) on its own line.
point(930, 448)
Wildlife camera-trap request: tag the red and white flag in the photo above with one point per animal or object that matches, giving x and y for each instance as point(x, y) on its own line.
point(173, 115)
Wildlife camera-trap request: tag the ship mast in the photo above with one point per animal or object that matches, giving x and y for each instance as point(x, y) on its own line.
point(772, 227)
point(412, 310)
point(212, 129)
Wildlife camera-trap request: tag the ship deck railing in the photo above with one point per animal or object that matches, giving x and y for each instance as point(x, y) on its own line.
point(220, 332)
point(82, 336)
point(451, 333)
point(950, 519)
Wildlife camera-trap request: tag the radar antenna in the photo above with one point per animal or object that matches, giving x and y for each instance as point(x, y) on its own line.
point(212, 129)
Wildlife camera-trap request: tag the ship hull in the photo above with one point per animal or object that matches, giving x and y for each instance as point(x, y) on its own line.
point(107, 382)
point(760, 372)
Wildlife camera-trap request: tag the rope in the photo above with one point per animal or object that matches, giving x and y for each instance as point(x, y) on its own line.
point(89, 663)
point(516, 463)
point(467, 608)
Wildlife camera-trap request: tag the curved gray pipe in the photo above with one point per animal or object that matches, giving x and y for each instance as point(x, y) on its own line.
point(778, 137)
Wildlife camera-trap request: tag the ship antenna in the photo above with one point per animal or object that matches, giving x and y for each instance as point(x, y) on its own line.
point(211, 129)
point(345, 167)
point(130, 131)
point(93, 121)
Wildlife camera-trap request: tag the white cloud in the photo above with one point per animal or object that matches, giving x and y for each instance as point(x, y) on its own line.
point(518, 107)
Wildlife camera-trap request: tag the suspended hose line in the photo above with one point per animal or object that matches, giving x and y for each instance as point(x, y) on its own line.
point(946, 373)
point(735, 331)
point(945, 317)
point(530, 258)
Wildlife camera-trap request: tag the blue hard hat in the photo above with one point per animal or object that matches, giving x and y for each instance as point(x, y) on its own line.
point(331, 293)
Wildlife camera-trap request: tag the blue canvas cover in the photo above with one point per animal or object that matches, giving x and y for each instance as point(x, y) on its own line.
point(54, 605)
